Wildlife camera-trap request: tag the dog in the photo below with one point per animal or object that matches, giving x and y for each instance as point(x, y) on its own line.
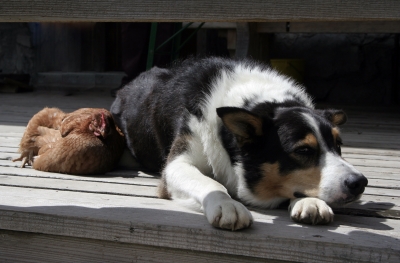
point(227, 133)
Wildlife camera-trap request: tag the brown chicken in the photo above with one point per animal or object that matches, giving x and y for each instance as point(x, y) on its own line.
point(85, 141)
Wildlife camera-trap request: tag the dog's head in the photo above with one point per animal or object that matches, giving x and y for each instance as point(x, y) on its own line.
point(292, 152)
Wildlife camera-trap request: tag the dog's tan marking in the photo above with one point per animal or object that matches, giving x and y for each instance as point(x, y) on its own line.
point(335, 134)
point(305, 181)
point(179, 146)
point(339, 118)
point(273, 184)
point(310, 140)
point(235, 122)
point(162, 190)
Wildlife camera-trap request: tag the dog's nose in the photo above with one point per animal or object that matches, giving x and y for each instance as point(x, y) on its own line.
point(356, 183)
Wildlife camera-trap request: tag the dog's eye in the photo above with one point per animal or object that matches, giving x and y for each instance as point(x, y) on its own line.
point(304, 150)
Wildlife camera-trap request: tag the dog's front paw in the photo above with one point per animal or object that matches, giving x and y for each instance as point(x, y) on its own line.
point(223, 212)
point(310, 210)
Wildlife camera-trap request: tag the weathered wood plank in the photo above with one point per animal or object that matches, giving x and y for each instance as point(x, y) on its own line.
point(384, 183)
point(11, 134)
point(373, 145)
point(372, 127)
point(97, 187)
point(9, 155)
point(365, 212)
point(376, 203)
point(357, 130)
point(32, 247)
point(366, 151)
point(374, 163)
point(33, 102)
point(351, 156)
point(163, 223)
point(10, 139)
point(376, 122)
point(376, 132)
point(381, 138)
point(208, 10)
point(392, 192)
point(331, 27)
point(379, 173)
point(7, 127)
point(8, 149)
point(15, 119)
point(376, 135)
point(375, 117)
point(118, 177)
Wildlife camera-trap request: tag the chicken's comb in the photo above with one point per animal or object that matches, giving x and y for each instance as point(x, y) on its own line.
point(103, 121)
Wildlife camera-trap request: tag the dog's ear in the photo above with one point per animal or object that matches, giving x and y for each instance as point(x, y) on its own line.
point(336, 117)
point(242, 123)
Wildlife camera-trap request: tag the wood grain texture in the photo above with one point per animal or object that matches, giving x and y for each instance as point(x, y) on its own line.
point(166, 224)
point(331, 27)
point(71, 185)
point(207, 10)
point(32, 247)
point(116, 218)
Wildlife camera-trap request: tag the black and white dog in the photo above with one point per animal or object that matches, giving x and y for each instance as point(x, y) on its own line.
point(226, 133)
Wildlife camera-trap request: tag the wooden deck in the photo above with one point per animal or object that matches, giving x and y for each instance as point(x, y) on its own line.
point(50, 217)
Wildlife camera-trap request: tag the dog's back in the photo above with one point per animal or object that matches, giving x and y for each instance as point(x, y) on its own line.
point(154, 107)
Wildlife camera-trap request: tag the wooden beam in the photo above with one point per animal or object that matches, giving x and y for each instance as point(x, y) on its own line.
point(163, 224)
point(191, 10)
point(213, 25)
point(46, 248)
point(330, 27)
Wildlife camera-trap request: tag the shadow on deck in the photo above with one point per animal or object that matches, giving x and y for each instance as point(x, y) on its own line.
point(118, 218)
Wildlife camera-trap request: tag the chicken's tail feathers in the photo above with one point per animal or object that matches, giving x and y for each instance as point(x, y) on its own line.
point(48, 117)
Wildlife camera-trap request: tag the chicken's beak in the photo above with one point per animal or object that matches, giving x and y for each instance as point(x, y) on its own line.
point(103, 133)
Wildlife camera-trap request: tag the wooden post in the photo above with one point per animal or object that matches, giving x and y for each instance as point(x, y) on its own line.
point(152, 46)
point(242, 39)
point(395, 81)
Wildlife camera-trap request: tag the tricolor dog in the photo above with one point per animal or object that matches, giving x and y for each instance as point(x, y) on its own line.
point(227, 133)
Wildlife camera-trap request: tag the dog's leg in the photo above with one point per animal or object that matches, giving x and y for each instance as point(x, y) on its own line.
point(184, 180)
point(310, 210)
